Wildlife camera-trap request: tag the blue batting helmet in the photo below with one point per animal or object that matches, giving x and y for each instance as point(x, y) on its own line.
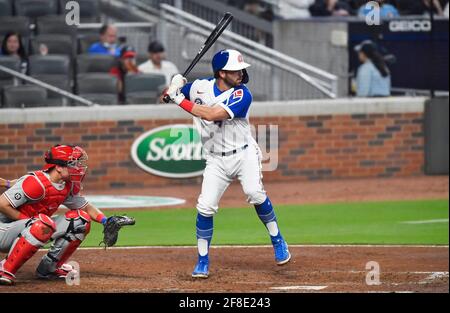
point(230, 60)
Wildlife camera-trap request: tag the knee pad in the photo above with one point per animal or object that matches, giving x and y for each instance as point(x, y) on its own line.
point(41, 229)
point(79, 223)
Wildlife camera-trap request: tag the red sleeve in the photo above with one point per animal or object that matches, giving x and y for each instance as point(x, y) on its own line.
point(32, 188)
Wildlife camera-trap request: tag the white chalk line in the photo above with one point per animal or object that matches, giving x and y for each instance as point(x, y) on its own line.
point(429, 279)
point(316, 288)
point(264, 246)
point(434, 276)
point(440, 220)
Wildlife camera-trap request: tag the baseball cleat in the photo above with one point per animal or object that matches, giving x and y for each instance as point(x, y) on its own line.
point(6, 278)
point(282, 254)
point(60, 273)
point(201, 269)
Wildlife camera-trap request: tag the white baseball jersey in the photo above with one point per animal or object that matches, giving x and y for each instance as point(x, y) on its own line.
point(232, 137)
point(227, 135)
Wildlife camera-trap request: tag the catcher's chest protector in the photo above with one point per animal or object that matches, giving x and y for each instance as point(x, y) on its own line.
point(53, 198)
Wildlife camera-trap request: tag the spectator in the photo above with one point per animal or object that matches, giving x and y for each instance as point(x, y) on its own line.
point(107, 43)
point(373, 78)
point(126, 65)
point(255, 7)
point(12, 45)
point(157, 63)
point(420, 7)
point(294, 8)
point(330, 8)
point(387, 10)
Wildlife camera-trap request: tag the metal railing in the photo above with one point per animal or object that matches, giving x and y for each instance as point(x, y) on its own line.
point(274, 73)
point(244, 23)
point(42, 84)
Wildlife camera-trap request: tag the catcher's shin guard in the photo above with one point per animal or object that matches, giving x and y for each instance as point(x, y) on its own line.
point(25, 246)
point(52, 264)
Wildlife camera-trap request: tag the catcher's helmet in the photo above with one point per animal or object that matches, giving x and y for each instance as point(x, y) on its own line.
point(72, 157)
point(230, 60)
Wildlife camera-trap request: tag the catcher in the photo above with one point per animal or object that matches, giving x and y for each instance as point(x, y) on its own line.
point(26, 209)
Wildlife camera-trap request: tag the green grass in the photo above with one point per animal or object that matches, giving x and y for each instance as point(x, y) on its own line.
point(339, 223)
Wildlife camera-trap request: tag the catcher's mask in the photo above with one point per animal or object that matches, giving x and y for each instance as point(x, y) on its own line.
point(72, 157)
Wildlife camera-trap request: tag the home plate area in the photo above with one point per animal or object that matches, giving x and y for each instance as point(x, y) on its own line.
point(251, 269)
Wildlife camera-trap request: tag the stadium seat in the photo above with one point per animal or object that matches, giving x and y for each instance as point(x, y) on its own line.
point(49, 65)
point(59, 81)
point(144, 88)
point(56, 44)
point(24, 96)
point(94, 63)
point(89, 10)
point(18, 24)
point(35, 8)
point(6, 8)
point(98, 87)
point(12, 63)
point(101, 98)
point(54, 24)
point(143, 98)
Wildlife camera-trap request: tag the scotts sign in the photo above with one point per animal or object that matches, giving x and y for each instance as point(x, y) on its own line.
point(170, 151)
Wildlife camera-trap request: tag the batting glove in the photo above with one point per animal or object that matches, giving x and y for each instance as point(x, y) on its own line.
point(174, 90)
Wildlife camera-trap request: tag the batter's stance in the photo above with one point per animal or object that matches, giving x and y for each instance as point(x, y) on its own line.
point(220, 106)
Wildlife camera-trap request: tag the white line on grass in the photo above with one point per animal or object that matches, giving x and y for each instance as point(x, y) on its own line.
point(441, 220)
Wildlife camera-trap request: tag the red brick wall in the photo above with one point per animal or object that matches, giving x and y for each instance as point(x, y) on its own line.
point(313, 147)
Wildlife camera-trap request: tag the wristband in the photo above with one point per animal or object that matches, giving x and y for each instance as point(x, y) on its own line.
point(8, 184)
point(101, 218)
point(187, 105)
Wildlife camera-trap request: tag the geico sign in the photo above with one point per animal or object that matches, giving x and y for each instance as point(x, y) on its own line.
point(410, 26)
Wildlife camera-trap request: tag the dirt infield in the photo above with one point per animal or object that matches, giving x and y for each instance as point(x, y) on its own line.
point(349, 190)
point(250, 269)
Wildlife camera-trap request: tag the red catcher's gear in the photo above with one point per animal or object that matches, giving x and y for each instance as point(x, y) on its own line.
point(74, 244)
point(43, 228)
point(33, 189)
point(51, 199)
point(74, 157)
point(22, 249)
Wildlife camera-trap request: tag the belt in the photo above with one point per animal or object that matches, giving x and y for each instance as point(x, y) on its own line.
point(231, 152)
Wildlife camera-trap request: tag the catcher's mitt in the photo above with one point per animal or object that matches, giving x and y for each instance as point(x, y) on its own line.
point(112, 227)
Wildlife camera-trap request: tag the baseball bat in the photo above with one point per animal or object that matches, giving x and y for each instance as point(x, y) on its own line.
point(215, 34)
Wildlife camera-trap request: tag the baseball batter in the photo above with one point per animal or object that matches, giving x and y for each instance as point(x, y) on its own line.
point(220, 106)
point(26, 209)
